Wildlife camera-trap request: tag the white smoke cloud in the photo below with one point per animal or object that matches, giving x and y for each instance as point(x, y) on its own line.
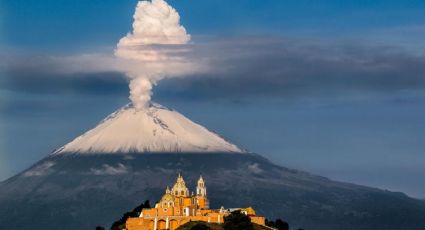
point(154, 49)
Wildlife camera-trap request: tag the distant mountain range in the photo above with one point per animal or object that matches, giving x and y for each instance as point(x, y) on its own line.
point(133, 155)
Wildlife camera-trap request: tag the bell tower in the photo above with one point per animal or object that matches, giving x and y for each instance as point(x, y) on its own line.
point(201, 194)
point(201, 190)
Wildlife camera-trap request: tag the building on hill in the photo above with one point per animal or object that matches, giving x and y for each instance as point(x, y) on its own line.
point(177, 207)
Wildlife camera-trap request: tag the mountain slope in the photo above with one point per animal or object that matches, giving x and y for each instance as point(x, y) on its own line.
point(154, 129)
point(134, 154)
point(82, 191)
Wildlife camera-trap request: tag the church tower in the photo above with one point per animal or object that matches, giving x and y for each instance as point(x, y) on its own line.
point(201, 190)
point(201, 194)
point(179, 189)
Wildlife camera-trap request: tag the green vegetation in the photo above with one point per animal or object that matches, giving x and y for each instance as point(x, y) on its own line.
point(120, 224)
point(195, 225)
point(237, 221)
point(211, 226)
point(278, 224)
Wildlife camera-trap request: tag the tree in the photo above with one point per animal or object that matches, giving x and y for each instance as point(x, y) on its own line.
point(120, 224)
point(281, 225)
point(237, 221)
point(270, 223)
point(278, 224)
point(142, 206)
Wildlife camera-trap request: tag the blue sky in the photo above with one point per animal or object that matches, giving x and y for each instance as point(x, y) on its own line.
point(80, 24)
point(336, 88)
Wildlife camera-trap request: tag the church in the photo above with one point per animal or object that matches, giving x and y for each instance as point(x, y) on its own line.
point(178, 206)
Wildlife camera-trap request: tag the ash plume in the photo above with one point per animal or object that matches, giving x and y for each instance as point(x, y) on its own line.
point(156, 48)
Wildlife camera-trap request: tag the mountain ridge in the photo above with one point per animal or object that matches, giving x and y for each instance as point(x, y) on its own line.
point(83, 191)
point(80, 187)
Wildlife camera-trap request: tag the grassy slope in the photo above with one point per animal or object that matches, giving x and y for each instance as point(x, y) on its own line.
point(213, 226)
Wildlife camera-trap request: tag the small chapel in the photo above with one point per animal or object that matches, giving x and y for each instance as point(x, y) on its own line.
point(177, 207)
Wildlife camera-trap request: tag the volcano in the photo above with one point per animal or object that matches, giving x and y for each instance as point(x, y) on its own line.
point(154, 129)
point(133, 155)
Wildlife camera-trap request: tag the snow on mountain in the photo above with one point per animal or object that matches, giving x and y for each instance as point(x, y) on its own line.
point(155, 129)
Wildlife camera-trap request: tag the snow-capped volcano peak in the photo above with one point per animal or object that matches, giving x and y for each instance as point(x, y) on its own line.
point(154, 129)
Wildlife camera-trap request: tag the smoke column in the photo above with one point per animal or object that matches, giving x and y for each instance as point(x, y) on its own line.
point(153, 50)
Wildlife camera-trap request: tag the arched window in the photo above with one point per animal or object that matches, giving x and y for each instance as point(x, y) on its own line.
point(177, 193)
point(182, 193)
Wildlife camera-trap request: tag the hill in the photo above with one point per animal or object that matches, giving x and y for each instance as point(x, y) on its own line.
point(75, 191)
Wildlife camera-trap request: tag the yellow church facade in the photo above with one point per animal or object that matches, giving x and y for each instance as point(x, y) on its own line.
point(177, 207)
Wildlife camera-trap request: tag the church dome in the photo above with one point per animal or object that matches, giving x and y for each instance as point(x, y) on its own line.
point(167, 197)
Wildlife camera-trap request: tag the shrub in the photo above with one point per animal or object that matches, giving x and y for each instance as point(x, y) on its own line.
point(237, 221)
point(120, 224)
point(196, 225)
point(281, 225)
point(278, 224)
